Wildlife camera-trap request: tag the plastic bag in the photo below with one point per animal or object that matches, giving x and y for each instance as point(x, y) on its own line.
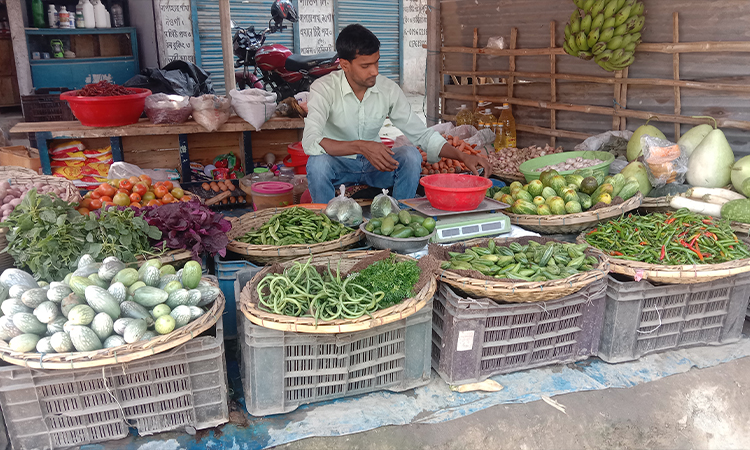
point(255, 106)
point(594, 143)
point(177, 77)
point(496, 42)
point(344, 210)
point(121, 170)
point(482, 138)
point(211, 111)
point(665, 161)
point(383, 204)
point(163, 108)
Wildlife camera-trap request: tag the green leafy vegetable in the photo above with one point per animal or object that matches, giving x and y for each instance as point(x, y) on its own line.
point(395, 278)
point(118, 232)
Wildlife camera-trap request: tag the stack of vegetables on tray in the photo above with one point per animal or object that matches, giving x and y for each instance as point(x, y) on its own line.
point(506, 161)
point(100, 305)
point(531, 262)
point(446, 165)
point(402, 225)
point(677, 238)
point(325, 294)
point(133, 192)
point(554, 194)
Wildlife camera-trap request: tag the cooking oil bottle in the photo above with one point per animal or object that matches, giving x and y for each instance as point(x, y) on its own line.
point(486, 120)
point(464, 116)
point(499, 137)
point(480, 112)
point(509, 126)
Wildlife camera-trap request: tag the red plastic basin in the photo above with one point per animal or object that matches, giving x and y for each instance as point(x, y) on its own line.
point(112, 111)
point(455, 192)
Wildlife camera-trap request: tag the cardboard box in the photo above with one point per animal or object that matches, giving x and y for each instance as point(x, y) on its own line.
point(20, 156)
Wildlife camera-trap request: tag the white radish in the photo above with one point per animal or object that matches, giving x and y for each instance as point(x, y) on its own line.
point(696, 206)
point(700, 192)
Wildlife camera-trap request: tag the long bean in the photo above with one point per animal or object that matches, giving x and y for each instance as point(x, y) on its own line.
point(296, 226)
point(681, 237)
point(301, 291)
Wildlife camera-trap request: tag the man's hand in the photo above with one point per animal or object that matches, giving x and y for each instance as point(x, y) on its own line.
point(475, 162)
point(379, 155)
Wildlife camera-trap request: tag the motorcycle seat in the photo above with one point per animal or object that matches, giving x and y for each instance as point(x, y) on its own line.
point(296, 62)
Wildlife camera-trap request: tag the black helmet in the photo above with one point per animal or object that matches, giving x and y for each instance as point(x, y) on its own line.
point(283, 9)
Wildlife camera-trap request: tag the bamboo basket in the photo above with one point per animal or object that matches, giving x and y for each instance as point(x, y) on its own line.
point(508, 178)
point(347, 260)
point(271, 253)
point(170, 257)
point(117, 355)
point(572, 223)
point(656, 204)
point(682, 274)
point(521, 291)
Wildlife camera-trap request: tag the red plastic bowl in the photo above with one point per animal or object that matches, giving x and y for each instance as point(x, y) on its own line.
point(455, 192)
point(113, 111)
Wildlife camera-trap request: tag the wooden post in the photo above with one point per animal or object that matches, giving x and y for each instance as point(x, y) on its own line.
point(434, 77)
point(474, 79)
point(676, 73)
point(20, 50)
point(553, 81)
point(226, 45)
point(511, 78)
point(616, 105)
point(624, 100)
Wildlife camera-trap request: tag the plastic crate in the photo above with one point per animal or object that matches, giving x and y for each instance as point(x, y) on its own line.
point(642, 318)
point(226, 272)
point(45, 106)
point(183, 388)
point(283, 370)
point(473, 339)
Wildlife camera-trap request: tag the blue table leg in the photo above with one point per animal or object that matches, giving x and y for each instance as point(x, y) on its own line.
point(41, 142)
point(184, 158)
point(116, 143)
point(247, 144)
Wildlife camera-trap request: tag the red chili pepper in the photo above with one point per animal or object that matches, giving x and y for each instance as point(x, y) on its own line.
point(663, 252)
point(682, 234)
point(636, 230)
point(707, 221)
point(731, 247)
point(693, 239)
point(712, 236)
point(591, 232)
point(684, 244)
point(643, 243)
point(698, 252)
point(616, 253)
point(669, 221)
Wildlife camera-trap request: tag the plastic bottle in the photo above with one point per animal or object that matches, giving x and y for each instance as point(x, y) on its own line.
point(100, 15)
point(108, 19)
point(499, 137)
point(64, 17)
point(118, 18)
point(52, 16)
point(485, 120)
point(464, 116)
point(80, 19)
point(37, 11)
point(89, 17)
point(72, 19)
point(509, 126)
point(479, 111)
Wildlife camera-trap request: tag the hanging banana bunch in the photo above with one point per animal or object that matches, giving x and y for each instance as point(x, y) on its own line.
point(606, 31)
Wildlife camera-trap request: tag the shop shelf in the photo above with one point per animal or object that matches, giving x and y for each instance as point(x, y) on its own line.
point(473, 339)
point(181, 389)
point(643, 318)
point(283, 370)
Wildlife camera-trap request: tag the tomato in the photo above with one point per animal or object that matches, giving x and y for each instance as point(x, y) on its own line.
point(84, 211)
point(168, 184)
point(160, 191)
point(145, 179)
point(124, 191)
point(140, 189)
point(135, 205)
point(121, 199)
point(85, 203)
point(88, 194)
point(177, 193)
point(95, 204)
point(133, 180)
point(168, 198)
point(106, 190)
point(95, 194)
point(126, 184)
point(135, 198)
point(148, 196)
point(154, 203)
point(105, 199)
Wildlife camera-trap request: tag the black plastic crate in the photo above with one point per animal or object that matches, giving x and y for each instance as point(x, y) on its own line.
point(44, 105)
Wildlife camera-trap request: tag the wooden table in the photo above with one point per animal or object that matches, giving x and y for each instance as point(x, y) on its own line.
point(46, 131)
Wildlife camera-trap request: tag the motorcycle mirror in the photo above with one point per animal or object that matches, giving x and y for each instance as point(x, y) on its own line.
point(283, 9)
point(233, 24)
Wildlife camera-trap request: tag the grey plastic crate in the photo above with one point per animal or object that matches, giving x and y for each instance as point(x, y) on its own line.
point(183, 388)
point(642, 318)
point(473, 339)
point(283, 370)
point(241, 279)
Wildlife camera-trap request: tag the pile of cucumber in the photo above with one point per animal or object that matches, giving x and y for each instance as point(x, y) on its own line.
point(402, 225)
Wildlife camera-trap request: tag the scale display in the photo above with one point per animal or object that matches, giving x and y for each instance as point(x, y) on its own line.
point(469, 226)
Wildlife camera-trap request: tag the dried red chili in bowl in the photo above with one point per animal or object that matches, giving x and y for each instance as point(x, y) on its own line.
point(104, 89)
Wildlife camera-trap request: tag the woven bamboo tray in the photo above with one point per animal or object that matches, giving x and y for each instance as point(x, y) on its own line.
point(6, 261)
point(270, 253)
point(508, 177)
point(520, 291)
point(117, 355)
point(655, 204)
point(684, 274)
point(170, 257)
point(347, 260)
point(572, 223)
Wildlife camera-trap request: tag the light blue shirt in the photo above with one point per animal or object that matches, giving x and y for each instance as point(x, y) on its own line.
point(335, 112)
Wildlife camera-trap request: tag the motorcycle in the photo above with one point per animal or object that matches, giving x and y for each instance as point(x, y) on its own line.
point(275, 67)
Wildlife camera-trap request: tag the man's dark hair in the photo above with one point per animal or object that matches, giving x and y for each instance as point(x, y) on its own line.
point(356, 40)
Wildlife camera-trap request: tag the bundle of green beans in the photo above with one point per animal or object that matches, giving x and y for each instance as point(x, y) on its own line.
point(531, 262)
point(296, 226)
point(676, 238)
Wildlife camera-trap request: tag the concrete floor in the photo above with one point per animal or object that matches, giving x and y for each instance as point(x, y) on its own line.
point(700, 409)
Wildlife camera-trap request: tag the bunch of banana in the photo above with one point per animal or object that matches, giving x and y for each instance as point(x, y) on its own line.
point(606, 31)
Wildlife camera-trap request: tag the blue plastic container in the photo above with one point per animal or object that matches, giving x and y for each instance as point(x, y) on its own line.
point(226, 272)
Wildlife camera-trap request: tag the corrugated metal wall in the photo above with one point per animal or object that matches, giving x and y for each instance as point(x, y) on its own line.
point(382, 17)
point(255, 12)
point(724, 20)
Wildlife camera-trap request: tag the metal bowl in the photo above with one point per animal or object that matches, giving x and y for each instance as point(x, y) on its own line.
point(404, 246)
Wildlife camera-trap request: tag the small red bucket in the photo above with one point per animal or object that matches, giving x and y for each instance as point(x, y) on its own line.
point(297, 158)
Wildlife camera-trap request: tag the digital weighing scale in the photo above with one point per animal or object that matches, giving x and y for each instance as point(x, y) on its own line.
point(484, 220)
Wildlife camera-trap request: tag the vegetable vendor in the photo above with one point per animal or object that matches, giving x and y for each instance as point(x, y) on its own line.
point(347, 108)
